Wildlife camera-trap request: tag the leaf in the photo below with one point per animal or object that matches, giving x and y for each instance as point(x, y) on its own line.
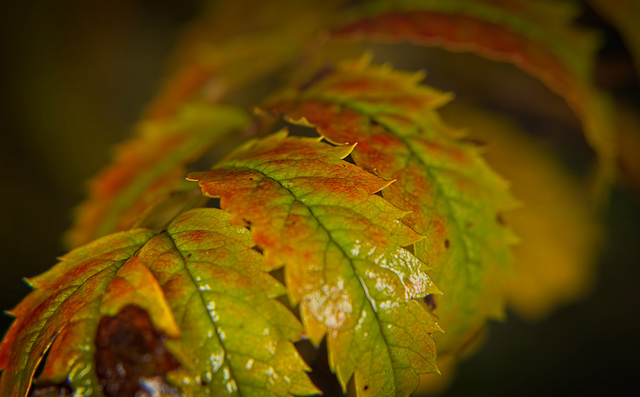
point(148, 170)
point(62, 313)
point(451, 195)
point(215, 60)
point(342, 247)
point(202, 287)
point(218, 53)
point(560, 235)
point(535, 36)
point(237, 336)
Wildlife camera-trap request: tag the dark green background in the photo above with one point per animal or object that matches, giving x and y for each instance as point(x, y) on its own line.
point(74, 77)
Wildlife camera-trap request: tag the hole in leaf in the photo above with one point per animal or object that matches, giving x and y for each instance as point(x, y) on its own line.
point(258, 249)
point(130, 354)
point(213, 203)
point(410, 248)
point(321, 376)
point(278, 274)
point(349, 159)
point(299, 130)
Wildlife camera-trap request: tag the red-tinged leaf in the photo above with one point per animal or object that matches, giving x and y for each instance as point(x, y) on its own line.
point(63, 313)
point(536, 36)
point(342, 247)
point(108, 312)
point(451, 195)
point(148, 170)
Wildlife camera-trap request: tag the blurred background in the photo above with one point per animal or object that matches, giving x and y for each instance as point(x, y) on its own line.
point(74, 78)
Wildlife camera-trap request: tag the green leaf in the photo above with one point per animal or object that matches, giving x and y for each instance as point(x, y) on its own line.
point(236, 335)
point(201, 285)
point(559, 232)
point(451, 196)
point(342, 247)
point(537, 37)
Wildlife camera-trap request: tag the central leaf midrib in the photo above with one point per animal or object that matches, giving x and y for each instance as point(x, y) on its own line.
point(346, 256)
point(204, 305)
point(412, 154)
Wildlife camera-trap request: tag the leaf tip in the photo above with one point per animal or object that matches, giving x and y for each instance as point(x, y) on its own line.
point(302, 121)
point(195, 176)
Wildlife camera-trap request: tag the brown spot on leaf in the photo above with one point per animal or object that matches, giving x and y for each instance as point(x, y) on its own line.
point(130, 353)
point(500, 219)
point(447, 243)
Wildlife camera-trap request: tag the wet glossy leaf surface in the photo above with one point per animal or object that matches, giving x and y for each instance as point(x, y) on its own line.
point(342, 250)
point(452, 197)
point(365, 220)
point(108, 309)
point(236, 338)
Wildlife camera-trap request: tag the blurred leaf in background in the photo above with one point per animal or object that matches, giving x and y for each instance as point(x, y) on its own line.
point(75, 78)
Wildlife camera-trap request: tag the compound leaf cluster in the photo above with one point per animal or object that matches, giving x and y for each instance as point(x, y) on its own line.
point(375, 234)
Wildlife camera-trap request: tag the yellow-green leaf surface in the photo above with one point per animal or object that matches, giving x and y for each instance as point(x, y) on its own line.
point(452, 197)
point(237, 337)
point(559, 232)
point(204, 289)
point(148, 170)
point(537, 36)
point(342, 247)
